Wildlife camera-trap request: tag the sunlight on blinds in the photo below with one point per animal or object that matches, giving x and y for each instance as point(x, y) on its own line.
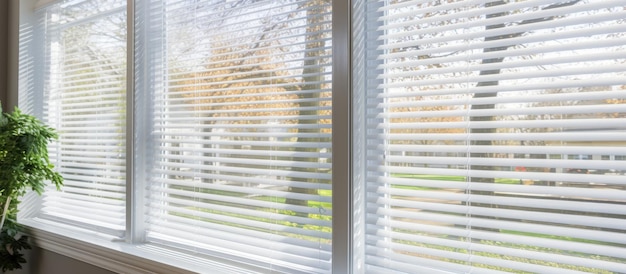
point(86, 91)
point(494, 136)
point(239, 156)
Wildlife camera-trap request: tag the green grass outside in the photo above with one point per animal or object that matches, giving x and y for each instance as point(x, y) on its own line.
point(328, 206)
point(546, 262)
point(451, 178)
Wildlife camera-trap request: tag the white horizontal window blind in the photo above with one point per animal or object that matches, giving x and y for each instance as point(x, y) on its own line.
point(493, 136)
point(239, 155)
point(85, 102)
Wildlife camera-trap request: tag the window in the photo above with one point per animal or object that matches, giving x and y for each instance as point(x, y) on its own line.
point(85, 101)
point(481, 129)
point(468, 136)
point(229, 133)
point(235, 133)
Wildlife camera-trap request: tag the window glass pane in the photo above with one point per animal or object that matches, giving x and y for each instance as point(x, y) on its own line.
point(485, 128)
point(238, 157)
point(85, 101)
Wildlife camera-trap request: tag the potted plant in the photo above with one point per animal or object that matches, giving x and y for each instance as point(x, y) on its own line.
point(24, 166)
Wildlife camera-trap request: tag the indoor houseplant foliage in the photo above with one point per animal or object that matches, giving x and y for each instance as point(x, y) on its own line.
point(24, 166)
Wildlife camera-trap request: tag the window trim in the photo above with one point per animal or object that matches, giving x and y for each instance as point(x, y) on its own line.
point(112, 254)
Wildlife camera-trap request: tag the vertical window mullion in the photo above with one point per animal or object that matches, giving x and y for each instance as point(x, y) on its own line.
point(342, 139)
point(134, 193)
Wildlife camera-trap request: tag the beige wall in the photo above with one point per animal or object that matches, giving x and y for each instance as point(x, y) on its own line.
point(4, 20)
point(42, 261)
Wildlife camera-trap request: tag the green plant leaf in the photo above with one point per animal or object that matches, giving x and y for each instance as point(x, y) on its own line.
point(24, 165)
